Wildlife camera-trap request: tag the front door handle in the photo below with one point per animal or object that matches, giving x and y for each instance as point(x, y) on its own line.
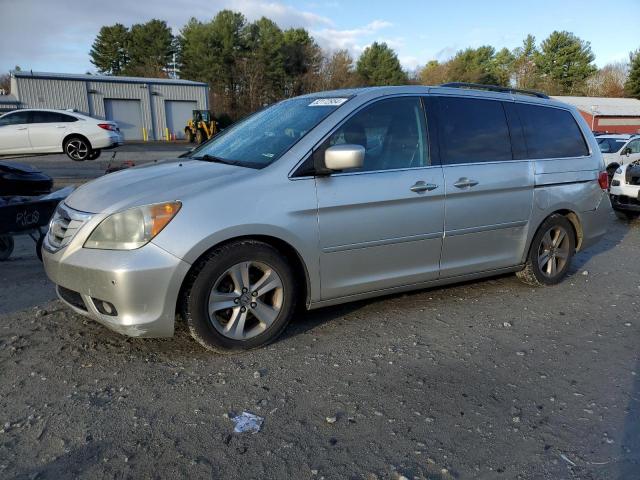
point(61, 126)
point(21, 128)
point(465, 182)
point(420, 187)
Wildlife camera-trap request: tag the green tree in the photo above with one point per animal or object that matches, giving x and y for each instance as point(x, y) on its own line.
point(632, 85)
point(150, 49)
point(265, 44)
point(565, 62)
point(474, 65)
point(109, 52)
point(379, 65)
point(526, 74)
point(502, 67)
point(302, 59)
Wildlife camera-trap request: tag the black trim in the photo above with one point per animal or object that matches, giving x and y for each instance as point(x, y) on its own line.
point(542, 185)
point(494, 88)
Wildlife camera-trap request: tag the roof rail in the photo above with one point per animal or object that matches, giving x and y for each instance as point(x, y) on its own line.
point(494, 88)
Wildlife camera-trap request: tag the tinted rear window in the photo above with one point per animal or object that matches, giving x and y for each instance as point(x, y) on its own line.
point(473, 130)
point(551, 133)
point(51, 117)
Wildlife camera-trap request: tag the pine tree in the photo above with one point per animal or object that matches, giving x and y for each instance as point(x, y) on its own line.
point(109, 50)
point(379, 65)
point(632, 85)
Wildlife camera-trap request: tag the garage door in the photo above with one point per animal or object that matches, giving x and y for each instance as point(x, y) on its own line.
point(178, 114)
point(128, 115)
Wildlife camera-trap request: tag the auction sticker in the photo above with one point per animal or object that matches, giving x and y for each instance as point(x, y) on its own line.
point(328, 102)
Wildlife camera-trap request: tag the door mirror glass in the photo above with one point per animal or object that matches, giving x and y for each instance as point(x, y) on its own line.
point(344, 157)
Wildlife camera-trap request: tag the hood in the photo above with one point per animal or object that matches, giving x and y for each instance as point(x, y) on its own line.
point(153, 183)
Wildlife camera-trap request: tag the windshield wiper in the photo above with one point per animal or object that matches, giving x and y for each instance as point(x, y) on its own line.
point(214, 159)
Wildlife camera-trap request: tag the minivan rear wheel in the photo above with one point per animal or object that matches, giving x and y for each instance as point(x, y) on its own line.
point(550, 254)
point(240, 296)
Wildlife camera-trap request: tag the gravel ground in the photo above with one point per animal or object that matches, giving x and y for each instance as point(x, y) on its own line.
point(489, 379)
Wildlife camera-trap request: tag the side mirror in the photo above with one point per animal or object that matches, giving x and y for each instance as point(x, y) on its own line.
point(344, 157)
point(626, 151)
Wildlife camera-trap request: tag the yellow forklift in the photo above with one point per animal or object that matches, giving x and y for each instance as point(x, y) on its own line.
point(201, 127)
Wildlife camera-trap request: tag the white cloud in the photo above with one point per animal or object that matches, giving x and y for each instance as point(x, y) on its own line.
point(46, 35)
point(355, 40)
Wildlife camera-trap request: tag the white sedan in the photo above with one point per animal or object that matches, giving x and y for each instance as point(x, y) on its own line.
point(30, 131)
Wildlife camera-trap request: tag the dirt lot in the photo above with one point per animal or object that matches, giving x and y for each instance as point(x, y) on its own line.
point(490, 379)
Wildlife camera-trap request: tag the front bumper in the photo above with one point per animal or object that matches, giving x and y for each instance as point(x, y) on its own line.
point(143, 285)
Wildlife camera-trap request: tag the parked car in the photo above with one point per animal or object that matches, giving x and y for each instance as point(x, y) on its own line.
point(329, 198)
point(31, 131)
point(618, 149)
point(625, 190)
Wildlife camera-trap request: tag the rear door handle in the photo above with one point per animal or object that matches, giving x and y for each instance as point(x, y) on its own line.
point(61, 126)
point(420, 187)
point(21, 128)
point(465, 182)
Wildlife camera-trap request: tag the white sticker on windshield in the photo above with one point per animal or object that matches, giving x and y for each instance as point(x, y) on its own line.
point(328, 102)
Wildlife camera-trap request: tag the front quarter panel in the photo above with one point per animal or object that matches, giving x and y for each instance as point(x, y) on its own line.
point(264, 204)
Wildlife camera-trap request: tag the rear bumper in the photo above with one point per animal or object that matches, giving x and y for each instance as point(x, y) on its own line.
point(625, 203)
point(142, 285)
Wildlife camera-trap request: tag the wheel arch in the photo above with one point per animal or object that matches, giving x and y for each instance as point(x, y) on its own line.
point(573, 218)
point(301, 271)
point(75, 135)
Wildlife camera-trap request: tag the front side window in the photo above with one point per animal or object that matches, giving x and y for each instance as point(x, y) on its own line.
point(634, 146)
point(551, 132)
point(473, 130)
point(392, 132)
point(265, 136)
point(16, 118)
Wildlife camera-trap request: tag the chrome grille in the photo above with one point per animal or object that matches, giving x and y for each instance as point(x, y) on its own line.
point(64, 225)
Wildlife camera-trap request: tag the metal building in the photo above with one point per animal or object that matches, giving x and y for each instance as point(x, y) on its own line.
point(611, 115)
point(143, 107)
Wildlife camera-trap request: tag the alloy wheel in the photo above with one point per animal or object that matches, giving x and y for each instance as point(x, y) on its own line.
point(245, 300)
point(77, 149)
point(553, 252)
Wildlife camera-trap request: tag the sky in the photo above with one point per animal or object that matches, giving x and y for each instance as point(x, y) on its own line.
point(56, 35)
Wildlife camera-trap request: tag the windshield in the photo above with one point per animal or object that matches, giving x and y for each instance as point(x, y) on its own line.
point(610, 145)
point(265, 136)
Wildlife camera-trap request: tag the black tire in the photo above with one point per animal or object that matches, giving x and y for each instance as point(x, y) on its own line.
point(94, 154)
point(6, 247)
point(532, 273)
point(77, 149)
point(189, 135)
point(39, 246)
point(626, 216)
point(201, 137)
point(208, 272)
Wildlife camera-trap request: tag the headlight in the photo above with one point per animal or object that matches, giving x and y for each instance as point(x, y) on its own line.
point(133, 228)
point(619, 171)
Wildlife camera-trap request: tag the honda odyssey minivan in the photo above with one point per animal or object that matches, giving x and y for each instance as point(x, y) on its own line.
point(329, 198)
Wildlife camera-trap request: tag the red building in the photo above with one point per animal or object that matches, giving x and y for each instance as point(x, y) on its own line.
point(612, 115)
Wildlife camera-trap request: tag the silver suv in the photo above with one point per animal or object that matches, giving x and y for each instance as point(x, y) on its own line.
point(329, 198)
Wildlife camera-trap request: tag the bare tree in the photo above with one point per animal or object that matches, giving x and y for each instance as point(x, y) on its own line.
point(608, 81)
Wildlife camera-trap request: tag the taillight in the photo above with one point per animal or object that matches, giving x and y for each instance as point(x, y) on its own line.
point(603, 180)
point(107, 126)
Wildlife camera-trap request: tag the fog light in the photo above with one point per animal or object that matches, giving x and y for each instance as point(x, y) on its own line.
point(104, 307)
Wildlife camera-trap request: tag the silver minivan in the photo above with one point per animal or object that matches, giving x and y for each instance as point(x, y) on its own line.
point(329, 198)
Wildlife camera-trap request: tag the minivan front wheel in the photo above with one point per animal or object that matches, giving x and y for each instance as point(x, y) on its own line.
point(551, 252)
point(241, 296)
